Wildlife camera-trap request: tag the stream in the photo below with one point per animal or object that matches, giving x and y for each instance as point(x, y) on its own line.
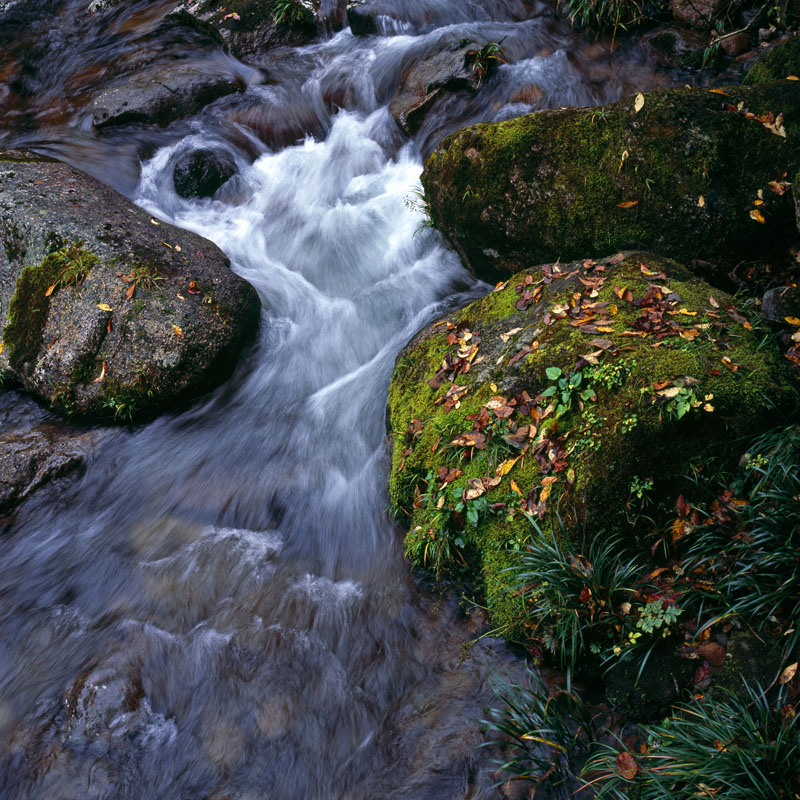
point(219, 606)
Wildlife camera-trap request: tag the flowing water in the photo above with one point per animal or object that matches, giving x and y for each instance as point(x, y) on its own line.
point(219, 607)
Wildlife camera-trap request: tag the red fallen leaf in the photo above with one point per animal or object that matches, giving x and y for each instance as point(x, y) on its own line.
point(193, 288)
point(131, 290)
point(108, 327)
point(701, 674)
point(585, 596)
point(407, 452)
point(628, 204)
point(627, 766)
point(683, 507)
point(660, 385)
point(715, 372)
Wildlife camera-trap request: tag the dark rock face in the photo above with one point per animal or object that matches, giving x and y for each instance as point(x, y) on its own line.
point(781, 302)
point(424, 81)
point(159, 95)
point(107, 312)
point(360, 20)
point(35, 450)
point(201, 172)
point(669, 177)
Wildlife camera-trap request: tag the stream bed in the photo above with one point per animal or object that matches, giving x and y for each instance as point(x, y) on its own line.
point(219, 606)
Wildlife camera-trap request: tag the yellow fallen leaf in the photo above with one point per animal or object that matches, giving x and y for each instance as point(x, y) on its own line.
point(154, 221)
point(104, 307)
point(789, 673)
point(638, 103)
point(628, 204)
point(545, 493)
point(177, 248)
point(1, 348)
point(793, 320)
point(177, 331)
point(622, 160)
point(757, 216)
point(515, 488)
point(758, 202)
point(792, 78)
point(50, 290)
point(719, 91)
point(701, 201)
point(506, 466)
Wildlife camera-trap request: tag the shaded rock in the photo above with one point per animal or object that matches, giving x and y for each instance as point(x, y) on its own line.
point(781, 302)
point(32, 455)
point(160, 94)
point(713, 652)
point(360, 19)
point(672, 48)
point(454, 407)
point(749, 661)
point(108, 313)
point(424, 81)
point(249, 27)
point(201, 172)
point(779, 61)
point(698, 14)
point(736, 45)
point(582, 182)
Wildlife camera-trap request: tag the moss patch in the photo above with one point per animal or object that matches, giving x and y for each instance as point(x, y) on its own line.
point(782, 60)
point(680, 177)
point(547, 400)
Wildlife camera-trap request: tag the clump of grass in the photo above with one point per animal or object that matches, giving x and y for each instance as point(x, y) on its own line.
point(73, 264)
point(293, 14)
point(606, 15)
point(482, 61)
point(142, 276)
point(727, 747)
point(577, 600)
point(541, 731)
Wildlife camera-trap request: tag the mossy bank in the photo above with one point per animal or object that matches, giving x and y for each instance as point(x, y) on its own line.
point(690, 173)
point(553, 400)
point(105, 311)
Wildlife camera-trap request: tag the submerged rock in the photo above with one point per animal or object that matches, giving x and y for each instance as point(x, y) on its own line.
point(549, 398)
point(107, 312)
point(201, 172)
point(686, 175)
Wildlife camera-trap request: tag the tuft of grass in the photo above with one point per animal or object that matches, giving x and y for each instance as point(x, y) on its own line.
point(293, 14)
point(727, 747)
point(484, 60)
point(542, 732)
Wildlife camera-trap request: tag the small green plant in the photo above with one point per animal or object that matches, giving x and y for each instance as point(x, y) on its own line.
point(293, 14)
point(611, 375)
point(657, 615)
point(605, 15)
point(483, 61)
point(640, 488)
point(142, 276)
point(418, 203)
point(566, 390)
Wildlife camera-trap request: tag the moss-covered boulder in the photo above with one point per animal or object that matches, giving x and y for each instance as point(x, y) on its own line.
point(687, 174)
point(105, 311)
point(561, 397)
point(779, 62)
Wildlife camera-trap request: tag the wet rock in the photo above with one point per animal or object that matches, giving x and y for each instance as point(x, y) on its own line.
point(106, 312)
point(201, 172)
point(160, 94)
point(545, 323)
point(420, 85)
point(360, 20)
point(249, 27)
point(673, 48)
point(777, 62)
point(35, 452)
point(737, 44)
point(781, 302)
point(585, 182)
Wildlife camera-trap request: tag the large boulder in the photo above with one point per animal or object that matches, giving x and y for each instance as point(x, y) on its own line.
point(105, 311)
point(691, 173)
point(546, 401)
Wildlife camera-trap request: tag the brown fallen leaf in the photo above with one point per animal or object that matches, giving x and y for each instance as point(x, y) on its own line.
point(789, 673)
point(627, 766)
point(628, 204)
point(102, 374)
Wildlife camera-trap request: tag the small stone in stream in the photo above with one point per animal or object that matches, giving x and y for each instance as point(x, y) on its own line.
point(737, 44)
point(200, 173)
point(781, 302)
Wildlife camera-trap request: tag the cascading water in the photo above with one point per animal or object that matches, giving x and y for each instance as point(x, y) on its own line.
point(219, 606)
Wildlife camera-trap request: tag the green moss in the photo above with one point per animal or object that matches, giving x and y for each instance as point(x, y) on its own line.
point(586, 182)
point(782, 60)
point(27, 311)
point(732, 377)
